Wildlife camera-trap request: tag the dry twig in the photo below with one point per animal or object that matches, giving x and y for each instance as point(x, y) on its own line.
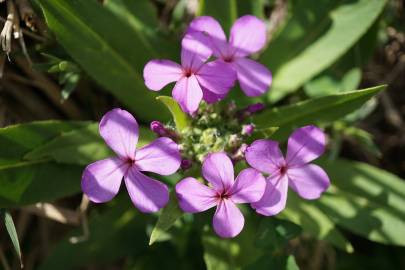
point(83, 218)
point(50, 211)
point(276, 18)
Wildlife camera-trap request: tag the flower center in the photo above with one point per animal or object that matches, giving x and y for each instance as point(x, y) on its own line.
point(130, 161)
point(283, 169)
point(223, 195)
point(187, 73)
point(228, 58)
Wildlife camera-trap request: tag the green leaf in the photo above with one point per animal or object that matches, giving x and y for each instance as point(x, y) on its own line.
point(28, 181)
point(225, 11)
point(364, 139)
point(105, 50)
point(345, 74)
point(40, 182)
point(80, 146)
point(8, 222)
point(114, 234)
point(319, 111)
point(365, 218)
point(274, 262)
point(170, 214)
point(18, 140)
point(328, 84)
point(314, 222)
point(142, 16)
point(367, 201)
point(255, 8)
point(234, 253)
point(317, 34)
point(181, 119)
point(275, 233)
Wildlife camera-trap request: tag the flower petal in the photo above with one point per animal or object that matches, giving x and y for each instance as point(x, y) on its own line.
point(249, 186)
point(158, 73)
point(211, 97)
point(210, 26)
point(264, 155)
point(195, 50)
point(119, 130)
point(217, 169)
point(194, 196)
point(228, 220)
point(147, 194)
point(304, 145)
point(217, 76)
point(254, 78)
point(309, 181)
point(188, 93)
point(162, 156)
point(248, 35)
point(274, 198)
point(101, 180)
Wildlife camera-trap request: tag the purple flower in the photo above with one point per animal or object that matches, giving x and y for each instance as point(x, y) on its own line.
point(195, 79)
point(101, 180)
point(225, 193)
point(308, 180)
point(248, 36)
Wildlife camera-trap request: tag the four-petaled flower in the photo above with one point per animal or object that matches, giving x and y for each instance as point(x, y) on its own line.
point(248, 36)
point(195, 79)
point(225, 193)
point(101, 180)
point(308, 180)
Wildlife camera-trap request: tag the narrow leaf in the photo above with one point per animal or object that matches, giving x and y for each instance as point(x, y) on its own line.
point(80, 146)
point(181, 119)
point(8, 222)
point(319, 111)
point(170, 214)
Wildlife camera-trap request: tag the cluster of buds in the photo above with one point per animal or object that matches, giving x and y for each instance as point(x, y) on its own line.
point(213, 128)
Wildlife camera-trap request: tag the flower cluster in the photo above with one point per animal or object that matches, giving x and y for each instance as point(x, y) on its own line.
point(197, 79)
point(217, 137)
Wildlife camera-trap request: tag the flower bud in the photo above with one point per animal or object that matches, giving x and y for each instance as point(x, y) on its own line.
point(186, 164)
point(247, 130)
point(254, 108)
point(239, 153)
point(158, 128)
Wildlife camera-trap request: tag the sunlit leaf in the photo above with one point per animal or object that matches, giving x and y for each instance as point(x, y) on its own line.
point(80, 146)
point(181, 119)
point(17, 140)
point(313, 40)
point(111, 51)
point(319, 111)
point(367, 201)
